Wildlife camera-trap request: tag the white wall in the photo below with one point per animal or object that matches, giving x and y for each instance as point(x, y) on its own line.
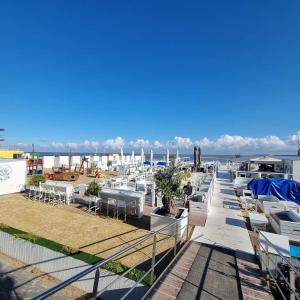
point(64, 160)
point(48, 162)
point(76, 160)
point(12, 175)
point(104, 159)
point(296, 170)
point(95, 158)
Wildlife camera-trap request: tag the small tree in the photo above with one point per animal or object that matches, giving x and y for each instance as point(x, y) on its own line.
point(93, 189)
point(36, 179)
point(168, 182)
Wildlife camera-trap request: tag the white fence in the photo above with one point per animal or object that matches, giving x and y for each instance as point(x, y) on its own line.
point(63, 267)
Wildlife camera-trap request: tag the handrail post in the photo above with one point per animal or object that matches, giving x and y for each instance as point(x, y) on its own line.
point(153, 258)
point(267, 264)
point(96, 281)
point(175, 238)
point(187, 227)
point(292, 285)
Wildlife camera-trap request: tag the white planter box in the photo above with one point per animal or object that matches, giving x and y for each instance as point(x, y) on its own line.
point(258, 221)
point(157, 222)
point(286, 223)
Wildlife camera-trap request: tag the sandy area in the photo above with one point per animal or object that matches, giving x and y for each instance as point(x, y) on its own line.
point(71, 226)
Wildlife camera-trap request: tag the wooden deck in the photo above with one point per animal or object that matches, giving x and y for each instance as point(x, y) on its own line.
point(205, 271)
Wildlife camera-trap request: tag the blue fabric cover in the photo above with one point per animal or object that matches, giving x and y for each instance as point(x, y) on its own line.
point(283, 189)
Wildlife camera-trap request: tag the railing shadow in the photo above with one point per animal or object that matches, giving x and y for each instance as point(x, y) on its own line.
point(7, 286)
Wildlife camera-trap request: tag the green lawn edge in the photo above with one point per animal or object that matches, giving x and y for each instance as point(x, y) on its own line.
point(112, 266)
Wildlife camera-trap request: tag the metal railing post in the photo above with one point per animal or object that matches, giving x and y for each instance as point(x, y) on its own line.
point(153, 258)
point(292, 285)
point(96, 281)
point(187, 228)
point(175, 238)
point(267, 264)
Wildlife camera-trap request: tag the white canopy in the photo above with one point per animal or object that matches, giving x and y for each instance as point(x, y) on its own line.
point(265, 159)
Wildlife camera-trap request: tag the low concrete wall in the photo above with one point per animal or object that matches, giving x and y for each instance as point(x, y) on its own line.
point(63, 267)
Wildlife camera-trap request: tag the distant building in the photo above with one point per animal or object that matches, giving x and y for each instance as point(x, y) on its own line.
point(7, 153)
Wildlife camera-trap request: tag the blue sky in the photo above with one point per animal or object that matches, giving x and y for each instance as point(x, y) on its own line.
point(87, 72)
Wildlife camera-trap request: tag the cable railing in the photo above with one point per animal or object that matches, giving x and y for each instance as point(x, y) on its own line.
point(273, 268)
point(175, 231)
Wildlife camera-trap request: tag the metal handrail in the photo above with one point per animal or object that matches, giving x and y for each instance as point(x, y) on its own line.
point(96, 266)
point(293, 270)
point(281, 256)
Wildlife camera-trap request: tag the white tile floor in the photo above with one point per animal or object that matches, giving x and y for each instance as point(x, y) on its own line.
point(224, 226)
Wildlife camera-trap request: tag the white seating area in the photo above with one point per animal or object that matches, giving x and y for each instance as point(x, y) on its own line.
point(111, 206)
point(47, 195)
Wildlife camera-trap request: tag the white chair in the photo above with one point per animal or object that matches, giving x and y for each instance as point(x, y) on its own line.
point(60, 198)
point(32, 192)
point(52, 197)
point(110, 202)
point(93, 204)
point(122, 204)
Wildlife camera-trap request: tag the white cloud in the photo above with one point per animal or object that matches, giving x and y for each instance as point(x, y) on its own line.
point(230, 143)
point(118, 142)
point(72, 145)
point(57, 145)
point(180, 142)
point(139, 143)
point(157, 144)
point(223, 144)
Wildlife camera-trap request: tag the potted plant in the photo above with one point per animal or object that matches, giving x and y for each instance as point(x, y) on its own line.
point(36, 179)
point(168, 184)
point(93, 189)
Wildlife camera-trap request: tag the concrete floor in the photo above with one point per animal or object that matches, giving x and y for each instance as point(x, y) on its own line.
point(18, 281)
point(225, 226)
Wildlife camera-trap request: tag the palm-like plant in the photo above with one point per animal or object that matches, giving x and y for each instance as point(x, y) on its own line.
point(168, 182)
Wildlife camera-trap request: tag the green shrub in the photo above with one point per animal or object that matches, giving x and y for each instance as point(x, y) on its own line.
point(114, 267)
point(186, 174)
point(93, 189)
point(36, 179)
point(27, 236)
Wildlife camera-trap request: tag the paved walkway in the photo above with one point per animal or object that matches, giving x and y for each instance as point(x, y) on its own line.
point(225, 225)
point(218, 263)
point(20, 282)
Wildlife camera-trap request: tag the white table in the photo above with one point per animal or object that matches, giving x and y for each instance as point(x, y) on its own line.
point(60, 186)
point(125, 195)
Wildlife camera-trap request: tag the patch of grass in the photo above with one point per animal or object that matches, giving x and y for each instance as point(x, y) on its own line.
point(112, 266)
point(27, 236)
